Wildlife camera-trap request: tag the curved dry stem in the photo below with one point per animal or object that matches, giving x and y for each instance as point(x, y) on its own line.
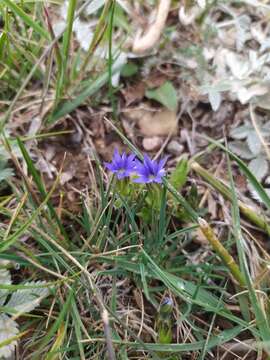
point(152, 35)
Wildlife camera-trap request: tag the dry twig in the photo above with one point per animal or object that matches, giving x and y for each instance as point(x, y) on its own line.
point(152, 35)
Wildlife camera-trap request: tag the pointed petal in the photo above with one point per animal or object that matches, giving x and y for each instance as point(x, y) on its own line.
point(155, 167)
point(139, 166)
point(162, 162)
point(141, 180)
point(148, 163)
point(121, 175)
point(138, 162)
point(117, 159)
point(116, 154)
point(109, 166)
point(131, 157)
point(131, 161)
point(161, 173)
point(145, 172)
point(157, 180)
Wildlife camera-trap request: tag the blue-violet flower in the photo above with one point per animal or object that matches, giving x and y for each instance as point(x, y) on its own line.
point(122, 164)
point(150, 170)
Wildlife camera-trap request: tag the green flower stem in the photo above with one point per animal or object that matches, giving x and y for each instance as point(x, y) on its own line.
point(164, 322)
point(123, 187)
point(247, 211)
point(221, 251)
point(154, 195)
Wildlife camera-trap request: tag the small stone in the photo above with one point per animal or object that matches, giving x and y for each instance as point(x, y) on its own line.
point(152, 143)
point(66, 177)
point(175, 148)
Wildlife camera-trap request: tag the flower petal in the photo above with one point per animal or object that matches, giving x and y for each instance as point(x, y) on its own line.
point(161, 173)
point(148, 163)
point(141, 180)
point(117, 158)
point(157, 179)
point(131, 157)
point(139, 167)
point(121, 175)
point(162, 162)
point(155, 167)
point(109, 166)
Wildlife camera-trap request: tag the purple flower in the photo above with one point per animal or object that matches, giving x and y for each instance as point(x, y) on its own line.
point(166, 307)
point(122, 165)
point(150, 170)
point(167, 301)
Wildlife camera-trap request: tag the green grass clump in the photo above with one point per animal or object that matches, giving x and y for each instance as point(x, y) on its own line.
point(129, 275)
point(99, 263)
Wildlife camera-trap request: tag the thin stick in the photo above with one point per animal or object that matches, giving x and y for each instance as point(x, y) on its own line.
point(151, 37)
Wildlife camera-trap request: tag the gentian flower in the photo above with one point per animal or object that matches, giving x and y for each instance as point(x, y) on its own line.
point(122, 165)
point(150, 171)
point(167, 301)
point(166, 306)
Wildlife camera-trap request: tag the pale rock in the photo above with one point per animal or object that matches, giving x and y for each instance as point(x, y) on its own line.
point(175, 148)
point(67, 176)
point(152, 143)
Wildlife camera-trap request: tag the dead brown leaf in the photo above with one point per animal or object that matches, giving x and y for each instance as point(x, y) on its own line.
point(155, 79)
point(133, 93)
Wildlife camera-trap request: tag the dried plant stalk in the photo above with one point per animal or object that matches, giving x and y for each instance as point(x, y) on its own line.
point(221, 251)
point(152, 35)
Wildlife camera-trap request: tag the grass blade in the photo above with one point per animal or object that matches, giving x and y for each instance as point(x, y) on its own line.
point(27, 19)
point(261, 320)
point(32, 170)
point(89, 90)
point(63, 78)
point(216, 340)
